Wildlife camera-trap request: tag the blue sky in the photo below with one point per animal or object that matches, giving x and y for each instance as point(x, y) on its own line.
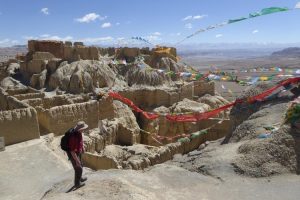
point(160, 21)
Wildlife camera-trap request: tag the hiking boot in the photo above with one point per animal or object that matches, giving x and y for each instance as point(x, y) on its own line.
point(83, 179)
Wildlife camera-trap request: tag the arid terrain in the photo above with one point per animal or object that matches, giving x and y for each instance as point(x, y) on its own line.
point(149, 136)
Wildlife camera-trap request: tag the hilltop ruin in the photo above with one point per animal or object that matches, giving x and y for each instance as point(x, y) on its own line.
point(57, 84)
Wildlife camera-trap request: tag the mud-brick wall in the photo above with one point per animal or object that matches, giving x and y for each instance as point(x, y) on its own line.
point(98, 162)
point(146, 98)
point(59, 119)
point(26, 90)
point(186, 91)
point(29, 96)
point(54, 47)
point(19, 125)
point(13, 103)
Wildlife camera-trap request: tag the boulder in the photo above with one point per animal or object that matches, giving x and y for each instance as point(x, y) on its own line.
point(11, 83)
point(12, 68)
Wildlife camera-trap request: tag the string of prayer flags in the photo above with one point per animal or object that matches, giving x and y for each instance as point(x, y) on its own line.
point(265, 11)
point(141, 39)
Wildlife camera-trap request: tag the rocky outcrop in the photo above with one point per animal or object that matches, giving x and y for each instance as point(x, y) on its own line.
point(242, 111)
point(82, 76)
point(270, 156)
point(146, 76)
point(215, 102)
point(12, 68)
point(11, 83)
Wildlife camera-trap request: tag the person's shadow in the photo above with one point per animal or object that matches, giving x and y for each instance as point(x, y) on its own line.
point(71, 189)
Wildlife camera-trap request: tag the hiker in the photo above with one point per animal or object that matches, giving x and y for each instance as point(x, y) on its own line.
point(74, 151)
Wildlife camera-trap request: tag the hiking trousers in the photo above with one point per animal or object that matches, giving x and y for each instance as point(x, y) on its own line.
point(78, 169)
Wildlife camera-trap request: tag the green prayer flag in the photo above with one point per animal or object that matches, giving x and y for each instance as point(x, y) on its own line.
point(236, 20)
point(271, 10)
point(198, 76)
point(183, 140)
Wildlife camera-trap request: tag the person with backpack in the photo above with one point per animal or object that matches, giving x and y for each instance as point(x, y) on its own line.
point(72, 143)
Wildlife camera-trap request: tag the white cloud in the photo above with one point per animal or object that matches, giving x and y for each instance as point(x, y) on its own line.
point(191, 17)
point(8, 42)
point(255, 31)
point(188, 26)
point(55, 37)
point(97, 40)
point(70, 38)
point(297, 5)
point(48, 37)
point(4, 41)
point(45, 35)
point(199, 17)
point(156, 33)
point(106, 25)
point(187, 18)
point(90, 17)
point(219, 35)
point(178, 34)
point(152, 38)
point(45, 11)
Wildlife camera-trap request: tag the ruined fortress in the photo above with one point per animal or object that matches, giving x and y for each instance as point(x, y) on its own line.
point(58, 83)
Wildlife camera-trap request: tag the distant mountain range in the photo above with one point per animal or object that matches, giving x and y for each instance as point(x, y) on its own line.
point(292, 52)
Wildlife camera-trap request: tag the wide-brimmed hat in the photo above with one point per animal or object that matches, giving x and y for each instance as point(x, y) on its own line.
point(81, 125)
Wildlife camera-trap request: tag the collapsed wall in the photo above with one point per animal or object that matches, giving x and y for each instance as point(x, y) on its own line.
point(18, 121)
point(58, 119)
point(153, 97)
